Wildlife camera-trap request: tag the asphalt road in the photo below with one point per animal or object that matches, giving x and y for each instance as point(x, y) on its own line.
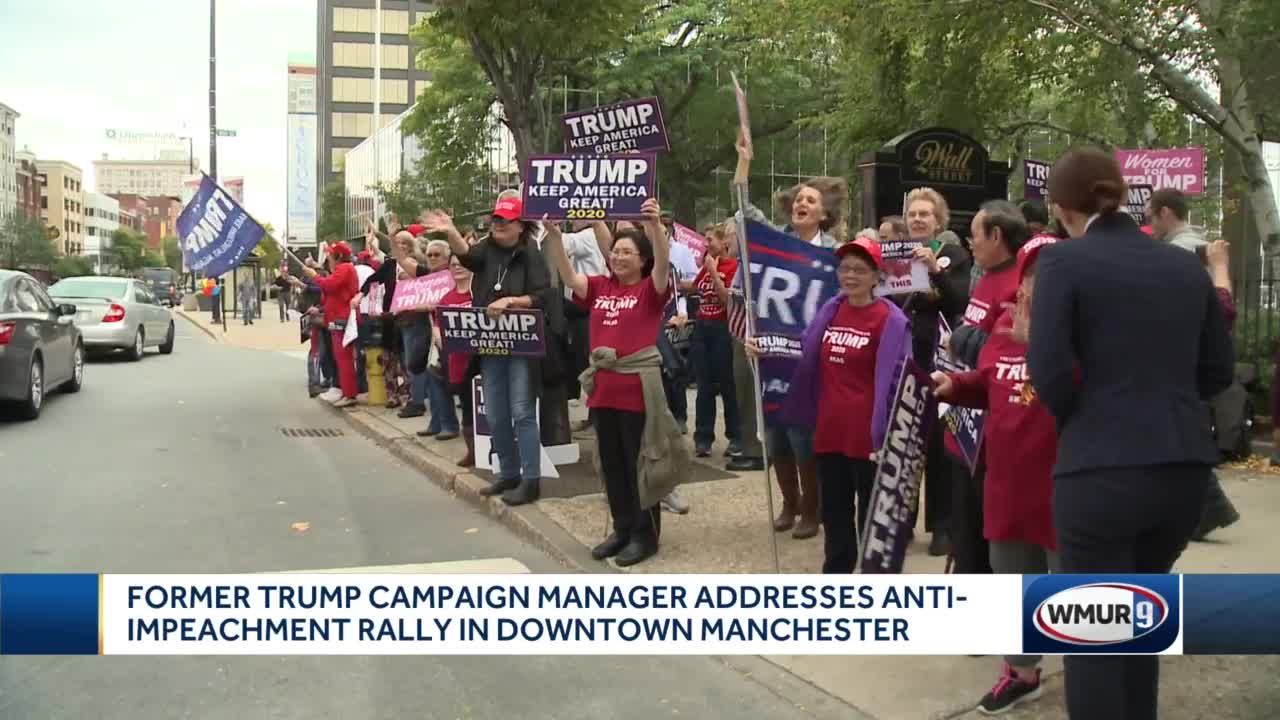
point(179, 464)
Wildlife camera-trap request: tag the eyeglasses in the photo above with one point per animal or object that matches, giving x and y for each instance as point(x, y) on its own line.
point(496, 221)
point(623, 252)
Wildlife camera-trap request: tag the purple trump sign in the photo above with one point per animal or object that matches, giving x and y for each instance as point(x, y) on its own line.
point(629, 126)
point(587, 187)
point(1035, 179)
point(901, 461)
point(471, 330)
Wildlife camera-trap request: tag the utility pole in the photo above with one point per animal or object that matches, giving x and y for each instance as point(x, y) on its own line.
point(213, 92)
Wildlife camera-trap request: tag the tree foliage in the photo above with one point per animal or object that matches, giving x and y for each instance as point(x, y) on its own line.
point(128, 252)
point(332, 223)
point(268, 249)
point(72, 266)
point(24, 243)
point(172, 253)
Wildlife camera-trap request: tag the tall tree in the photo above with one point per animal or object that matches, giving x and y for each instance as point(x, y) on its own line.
point(72, 266)
point(172, 253)
point(24, 243)
point(128, 250)
point(332, 223)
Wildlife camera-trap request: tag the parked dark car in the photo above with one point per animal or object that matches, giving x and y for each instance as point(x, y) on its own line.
point(164, 285)
point(40, 346)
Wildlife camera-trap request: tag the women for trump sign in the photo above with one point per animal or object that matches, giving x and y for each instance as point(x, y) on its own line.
point(1178, 168)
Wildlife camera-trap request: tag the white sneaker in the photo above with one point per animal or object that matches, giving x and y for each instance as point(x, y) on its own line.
point(344, 402)
point(332, 395)
point(674, 503)
point(363, 398)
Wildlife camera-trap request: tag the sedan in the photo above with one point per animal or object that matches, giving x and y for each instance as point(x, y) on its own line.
point(40, 346)
point(117, 314)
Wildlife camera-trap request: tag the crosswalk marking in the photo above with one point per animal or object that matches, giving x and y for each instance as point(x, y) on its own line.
point(486, 566)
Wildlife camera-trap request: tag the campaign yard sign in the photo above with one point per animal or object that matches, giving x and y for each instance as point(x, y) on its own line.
point(1136, 202)
point(421, 293)
point(1180, 168)
point(628, 126)
point(901, 273)
point(217, 234)
point(962, 424)
point(588, 187)
point(482, 439)
point(897, 483)
point(473, 331)
point(693, 240)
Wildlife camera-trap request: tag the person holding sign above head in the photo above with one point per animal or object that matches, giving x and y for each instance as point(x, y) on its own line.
point(852, 356)
point(1020, 443)
point(641, 451)
point(510, 274)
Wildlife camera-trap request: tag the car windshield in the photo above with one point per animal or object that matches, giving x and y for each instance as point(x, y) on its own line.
point(89, 288)
point(158, 276)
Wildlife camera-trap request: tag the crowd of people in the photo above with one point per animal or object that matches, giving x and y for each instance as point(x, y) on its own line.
point(1092, 344)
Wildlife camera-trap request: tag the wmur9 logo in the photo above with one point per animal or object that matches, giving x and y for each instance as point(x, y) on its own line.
point(1096, 614)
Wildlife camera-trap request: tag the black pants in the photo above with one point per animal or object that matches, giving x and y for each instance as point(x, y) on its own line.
point(712, 352)
point(579, 327)
point(328, 366)
point(1123, 520)
point(939, 471)
point(968, 544)
point(843, 480)
point(462, 391)
point(618, 436)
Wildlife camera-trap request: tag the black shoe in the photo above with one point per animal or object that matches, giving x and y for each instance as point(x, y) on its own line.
point(427, 432)
point(635, 552)
point(1215, 517)
point(611, 546)
point(702, 451)
point(1008, 691)
point(525, 493)
point(500, 486)
point(734, 450)
point(940, 543)
point(742, 463)
point(446, 435)
point(412, 411)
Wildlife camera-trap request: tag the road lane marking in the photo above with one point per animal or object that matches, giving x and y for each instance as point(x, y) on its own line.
point(487, 566)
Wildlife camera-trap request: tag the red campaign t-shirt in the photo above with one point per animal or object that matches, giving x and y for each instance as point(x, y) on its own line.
point(986, 303)
point(457, 361)
point(1019, 438)
point(848, 376)
point(709, 305)
point(625, 318)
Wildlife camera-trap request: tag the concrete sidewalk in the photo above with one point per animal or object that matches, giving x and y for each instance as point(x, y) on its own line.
point(266, 332)
point(727, 531)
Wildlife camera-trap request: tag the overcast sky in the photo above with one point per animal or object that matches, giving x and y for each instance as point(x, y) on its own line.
point(74, 68)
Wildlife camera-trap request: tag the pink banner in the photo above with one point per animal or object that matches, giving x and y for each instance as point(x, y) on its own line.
point(691, 239)
point(421, 293)
point(1180, 168)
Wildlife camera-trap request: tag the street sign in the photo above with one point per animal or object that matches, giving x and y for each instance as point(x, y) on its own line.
point(225, 133)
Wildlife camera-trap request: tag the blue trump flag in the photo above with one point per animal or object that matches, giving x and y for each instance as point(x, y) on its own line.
point(790, 281)
point(217, 234)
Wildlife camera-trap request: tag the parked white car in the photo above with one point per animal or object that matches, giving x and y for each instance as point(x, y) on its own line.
point(117, 314)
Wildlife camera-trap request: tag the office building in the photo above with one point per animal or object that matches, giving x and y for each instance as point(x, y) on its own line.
point(358, 42)
point(158, 215)
point(62, 204)
point(29, 184)
point(141, 177)
point(381, 158)
point(8, 161)
point(101, 218)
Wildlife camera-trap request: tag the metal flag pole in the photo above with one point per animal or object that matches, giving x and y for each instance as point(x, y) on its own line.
point(740, 191)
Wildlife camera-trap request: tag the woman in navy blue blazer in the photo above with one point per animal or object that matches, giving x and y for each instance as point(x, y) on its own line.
point(1127, 341)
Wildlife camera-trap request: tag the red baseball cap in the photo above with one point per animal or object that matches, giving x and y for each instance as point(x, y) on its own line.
point(340, 250)
point(508, 208)
point(1030, 250)
point(866, 246)
point(415, 229)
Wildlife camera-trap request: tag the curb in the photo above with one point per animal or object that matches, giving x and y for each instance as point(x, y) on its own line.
point(528, 522)
point(199, 325)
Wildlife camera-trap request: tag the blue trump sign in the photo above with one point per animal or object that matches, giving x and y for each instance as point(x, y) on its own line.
point(217, 234)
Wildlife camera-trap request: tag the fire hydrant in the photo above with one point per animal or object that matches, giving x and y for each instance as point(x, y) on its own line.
point(373, 372)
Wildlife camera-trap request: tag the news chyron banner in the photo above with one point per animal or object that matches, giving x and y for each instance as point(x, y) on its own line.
point(407, 614)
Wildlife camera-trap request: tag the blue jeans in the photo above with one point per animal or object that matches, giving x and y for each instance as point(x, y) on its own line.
point(416, 331)
point(713, 368)
point(509, 406)
point(440, 401)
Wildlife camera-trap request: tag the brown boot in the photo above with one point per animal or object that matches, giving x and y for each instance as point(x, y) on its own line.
point(809, 502)
point(785, 472)
point(468, 460)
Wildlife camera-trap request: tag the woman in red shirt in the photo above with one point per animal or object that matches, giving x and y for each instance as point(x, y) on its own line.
point(337, 289)
point(626, 312)
point(456, 363)
point(1021, 444)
